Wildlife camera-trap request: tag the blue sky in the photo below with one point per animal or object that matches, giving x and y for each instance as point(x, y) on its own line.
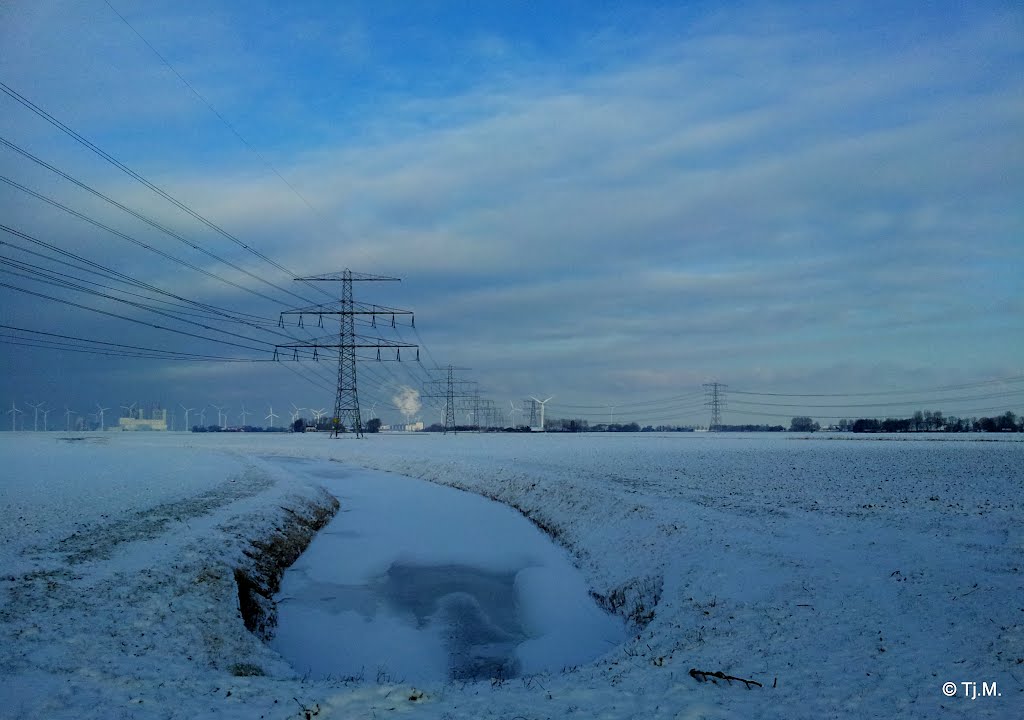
point(609, 203)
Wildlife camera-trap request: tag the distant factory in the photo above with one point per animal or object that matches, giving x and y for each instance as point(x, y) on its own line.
point(136, 419)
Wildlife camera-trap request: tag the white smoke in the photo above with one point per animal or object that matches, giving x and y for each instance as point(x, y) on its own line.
point(408, 402)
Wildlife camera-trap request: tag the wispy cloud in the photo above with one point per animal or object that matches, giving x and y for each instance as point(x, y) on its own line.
point(762, 193)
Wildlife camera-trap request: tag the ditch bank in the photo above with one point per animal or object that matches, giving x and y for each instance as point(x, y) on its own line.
point(258, 577)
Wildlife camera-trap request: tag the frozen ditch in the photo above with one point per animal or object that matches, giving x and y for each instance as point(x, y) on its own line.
point(414, 581)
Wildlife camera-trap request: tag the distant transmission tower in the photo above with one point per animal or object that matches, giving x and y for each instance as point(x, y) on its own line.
point(449, 402)
point(346, 400)
point(449, 388)
point(531, 407)
point(715, 399)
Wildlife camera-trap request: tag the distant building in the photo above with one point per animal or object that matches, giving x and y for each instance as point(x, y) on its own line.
point(410, 427)
point(157, 420)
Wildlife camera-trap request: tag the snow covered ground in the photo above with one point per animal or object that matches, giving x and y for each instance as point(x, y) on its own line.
point(850, 577)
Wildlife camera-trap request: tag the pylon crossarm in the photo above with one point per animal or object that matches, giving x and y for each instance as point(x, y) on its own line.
point(335, 345)
point(357, 309)
point(347, 275)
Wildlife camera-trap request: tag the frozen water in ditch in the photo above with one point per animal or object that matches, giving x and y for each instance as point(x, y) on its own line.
point(415, 581)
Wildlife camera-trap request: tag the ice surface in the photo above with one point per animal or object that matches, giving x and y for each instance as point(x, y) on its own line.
point(425, 583)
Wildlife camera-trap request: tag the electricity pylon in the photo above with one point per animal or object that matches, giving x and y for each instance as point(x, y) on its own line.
point(346, 400)
point(531, 407)
point(449, 388)
point(715, 394)
point(542, 403)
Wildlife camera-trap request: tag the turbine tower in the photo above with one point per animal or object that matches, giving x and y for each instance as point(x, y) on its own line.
point(68, 412)
point(245, 413)
point(102, 410)
point(13, 412)
point(35, 426)
point(187, 411)
point(271, 417)
point(542, 403)
point(218, 408)
point(46, 423)
point(512, 413)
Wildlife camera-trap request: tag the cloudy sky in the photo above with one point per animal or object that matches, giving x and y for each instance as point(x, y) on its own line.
point(611, 203)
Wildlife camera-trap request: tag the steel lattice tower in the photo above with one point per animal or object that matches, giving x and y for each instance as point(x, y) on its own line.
point(449, 403)
point(448, 388)
point(715, 394)
point(346, 400)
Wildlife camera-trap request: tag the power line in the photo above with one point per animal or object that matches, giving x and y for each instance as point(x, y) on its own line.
point(904, 403)
point(129, 319)
point(48, 278)
point(152, 223)
point(212, 109)
point(129, 238)
point(139, 178)
point(109, 346)
point(640, 403)
point(940, 388)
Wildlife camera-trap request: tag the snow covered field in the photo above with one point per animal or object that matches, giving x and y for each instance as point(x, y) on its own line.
point(850, 577)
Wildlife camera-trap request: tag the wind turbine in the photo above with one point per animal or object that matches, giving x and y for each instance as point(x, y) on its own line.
point(512, 413)
point(103, 427)
point(218, 408)
point(541, 403)
point(296, 411)
point(245, 413)
point(13, 412)
point(202, 416)
point(35, 426)
point(271, 417)
point(128, 410)
point(68, 412)
point(187, 411)
point(46, 415)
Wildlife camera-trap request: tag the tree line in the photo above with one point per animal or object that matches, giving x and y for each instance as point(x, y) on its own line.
point(920, 421)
